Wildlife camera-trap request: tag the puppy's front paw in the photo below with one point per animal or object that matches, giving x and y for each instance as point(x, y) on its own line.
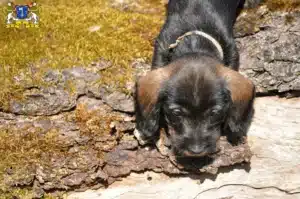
point(139, 137)
point(163, 144)
point(162, 148)
point(234, 138)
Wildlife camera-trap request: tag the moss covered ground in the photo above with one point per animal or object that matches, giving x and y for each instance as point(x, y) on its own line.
point(65, 39)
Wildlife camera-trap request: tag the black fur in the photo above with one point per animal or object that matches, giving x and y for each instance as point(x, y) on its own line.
point(148, 123)
point(215, 17)
point(195, 104)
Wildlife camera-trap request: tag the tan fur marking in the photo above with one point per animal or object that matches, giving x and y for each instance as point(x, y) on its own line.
point(149, 85)
point(241, 88)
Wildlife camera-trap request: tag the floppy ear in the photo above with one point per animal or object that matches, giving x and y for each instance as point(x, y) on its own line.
point(148, 101)
point(242, 95)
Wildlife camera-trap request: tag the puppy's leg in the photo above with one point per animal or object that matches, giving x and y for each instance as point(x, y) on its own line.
point(232, 58)
point(159, 56)
point(147, 125)
point(164, 143)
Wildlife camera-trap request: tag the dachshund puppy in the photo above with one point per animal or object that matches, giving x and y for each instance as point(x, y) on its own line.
point(213, 18)
point(197, 99)
point(194, 89)
point(199, 26)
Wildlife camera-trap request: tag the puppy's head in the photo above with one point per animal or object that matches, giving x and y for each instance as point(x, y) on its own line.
point(192, 97)
point(195, 105)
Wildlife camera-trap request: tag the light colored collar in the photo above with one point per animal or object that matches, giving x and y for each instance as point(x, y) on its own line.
point(203, 34)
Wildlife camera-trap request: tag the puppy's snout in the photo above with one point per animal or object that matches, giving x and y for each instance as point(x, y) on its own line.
point(195, 149)
point(200, 150)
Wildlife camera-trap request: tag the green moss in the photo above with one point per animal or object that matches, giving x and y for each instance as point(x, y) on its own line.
point(17, 193)
point(21, 150)
point(24, 193)
point(289, 19)
point(64, 40)
point(286, 5)
point(92, 123)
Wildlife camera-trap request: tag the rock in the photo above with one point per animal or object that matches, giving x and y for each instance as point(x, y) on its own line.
point(248, 23)
point(97, 91)
point(41, 175)
point(84, 161)
point(44, 124)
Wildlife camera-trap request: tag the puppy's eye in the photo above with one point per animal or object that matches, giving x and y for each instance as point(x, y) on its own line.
point(215, 112)
point(212, 113)
point(176, 112)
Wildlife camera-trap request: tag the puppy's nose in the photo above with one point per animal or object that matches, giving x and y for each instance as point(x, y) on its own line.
point(196, 149)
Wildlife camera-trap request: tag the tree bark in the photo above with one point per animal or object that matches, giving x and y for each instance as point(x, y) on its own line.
point(274, 139)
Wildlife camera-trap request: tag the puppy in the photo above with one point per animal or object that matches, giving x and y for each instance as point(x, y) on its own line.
point(194, 89)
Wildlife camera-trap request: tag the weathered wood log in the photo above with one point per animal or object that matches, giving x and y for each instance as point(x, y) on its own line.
point(269, 45)
point(273, 173)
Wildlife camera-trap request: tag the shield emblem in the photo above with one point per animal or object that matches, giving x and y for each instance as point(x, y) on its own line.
point(22, 12)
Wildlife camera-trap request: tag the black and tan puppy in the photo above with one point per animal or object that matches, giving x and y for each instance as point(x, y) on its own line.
point(194, 89)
